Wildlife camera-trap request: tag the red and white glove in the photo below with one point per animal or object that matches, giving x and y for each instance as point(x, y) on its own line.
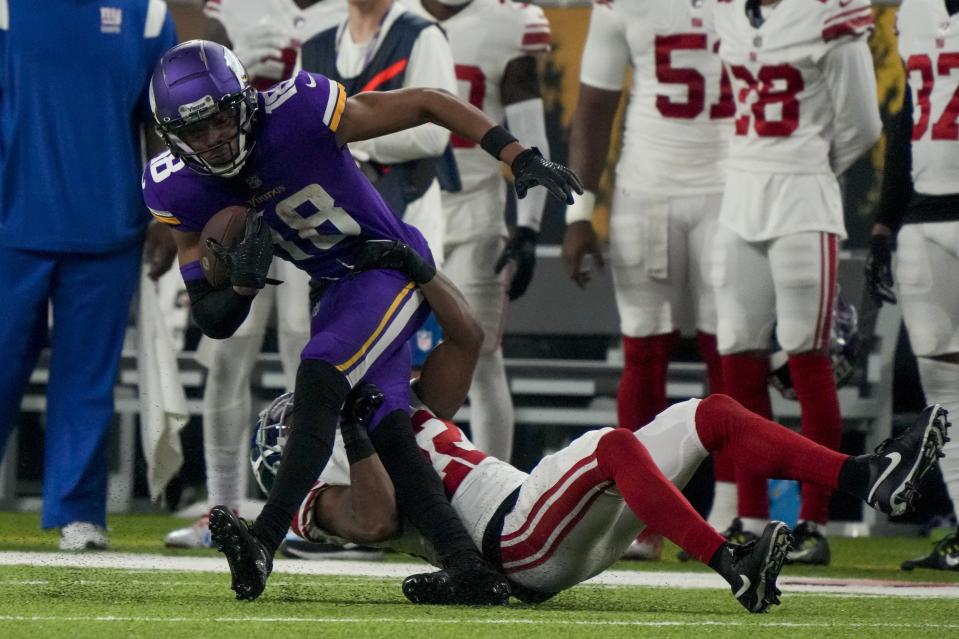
point(267, 51)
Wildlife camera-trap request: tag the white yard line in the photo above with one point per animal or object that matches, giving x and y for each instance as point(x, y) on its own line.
point(391, 570)
point(540, 621)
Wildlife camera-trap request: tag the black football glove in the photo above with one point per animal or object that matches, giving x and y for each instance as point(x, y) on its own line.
point(521, 249)
point(530, 168)
point(393, 254)
point(360, 406)
point(879, 270)
point(249, 261)
point(358, 410)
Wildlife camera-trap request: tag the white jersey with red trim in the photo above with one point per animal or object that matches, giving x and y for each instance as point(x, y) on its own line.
point(239, 16)
point(680, 110)
point(485, 37)
point(784, 111)
point(475, 483)
point(929, 45)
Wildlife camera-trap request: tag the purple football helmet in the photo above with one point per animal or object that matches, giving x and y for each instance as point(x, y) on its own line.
point(200, 97)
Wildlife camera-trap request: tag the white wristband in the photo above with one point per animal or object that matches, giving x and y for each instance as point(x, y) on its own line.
point(581, 210)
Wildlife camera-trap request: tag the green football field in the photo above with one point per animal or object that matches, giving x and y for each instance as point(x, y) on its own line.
point(165, 597)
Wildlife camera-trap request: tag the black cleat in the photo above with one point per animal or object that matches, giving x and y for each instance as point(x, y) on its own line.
point(752, 569)
point(734, 535)
point(809, 546)
point(476, 585)
point(250, 561)
point(898, 465)
point(944, 555)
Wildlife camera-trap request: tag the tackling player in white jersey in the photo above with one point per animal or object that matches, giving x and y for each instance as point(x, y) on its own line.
point(669, 184)
point(572, 516)
point(266, 35)
point(495, 45)
point(806, 109)
point(920, 202)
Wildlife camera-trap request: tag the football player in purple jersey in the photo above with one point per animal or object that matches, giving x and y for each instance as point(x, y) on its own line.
point(282, 152)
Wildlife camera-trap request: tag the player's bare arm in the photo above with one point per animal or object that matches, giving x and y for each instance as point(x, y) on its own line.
point(588, 146)
point(365, 510)
point(372, 114)
point(448, 370)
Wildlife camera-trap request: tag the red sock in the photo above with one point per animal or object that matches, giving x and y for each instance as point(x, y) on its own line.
point(642, 388)
point(745, 379)
point(770, 449)
point(710, 355)
point(653, 498)
point(821, 420)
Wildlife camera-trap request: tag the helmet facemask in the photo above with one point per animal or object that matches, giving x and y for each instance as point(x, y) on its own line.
point(198, 125)
point(270, 435)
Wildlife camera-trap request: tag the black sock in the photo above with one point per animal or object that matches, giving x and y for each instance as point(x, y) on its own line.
point(419, 491)
point(320, 391)
point(721, 560)
point(854, 476)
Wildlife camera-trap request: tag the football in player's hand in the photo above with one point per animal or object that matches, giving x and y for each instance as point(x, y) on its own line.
point(223, 231)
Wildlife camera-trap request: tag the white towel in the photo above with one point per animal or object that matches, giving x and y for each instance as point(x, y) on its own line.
point(163, 407)
point(655, 230)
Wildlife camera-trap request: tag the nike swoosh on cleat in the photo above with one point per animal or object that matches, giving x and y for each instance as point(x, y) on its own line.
point(894, 459)
point(951, 560)
point(742, 589)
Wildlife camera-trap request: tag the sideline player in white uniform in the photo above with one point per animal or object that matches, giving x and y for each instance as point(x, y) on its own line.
point(266, 35)
point(574, 514)
point(495, 45)
point(806, 109)
point(920, 201)
point(669, 184)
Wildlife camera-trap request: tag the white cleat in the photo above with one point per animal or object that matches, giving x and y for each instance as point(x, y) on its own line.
point(82, 535)
point(196, 535)
point(648, 546)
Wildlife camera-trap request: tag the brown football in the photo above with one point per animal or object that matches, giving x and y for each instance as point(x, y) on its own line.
point(225, 227)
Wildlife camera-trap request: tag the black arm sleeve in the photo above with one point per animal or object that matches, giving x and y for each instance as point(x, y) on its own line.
point(218, 312)
point(897, 172)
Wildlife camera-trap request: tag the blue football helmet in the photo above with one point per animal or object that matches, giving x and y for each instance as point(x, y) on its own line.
point(269, 438)
point(844, 345)
point(199, 90)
